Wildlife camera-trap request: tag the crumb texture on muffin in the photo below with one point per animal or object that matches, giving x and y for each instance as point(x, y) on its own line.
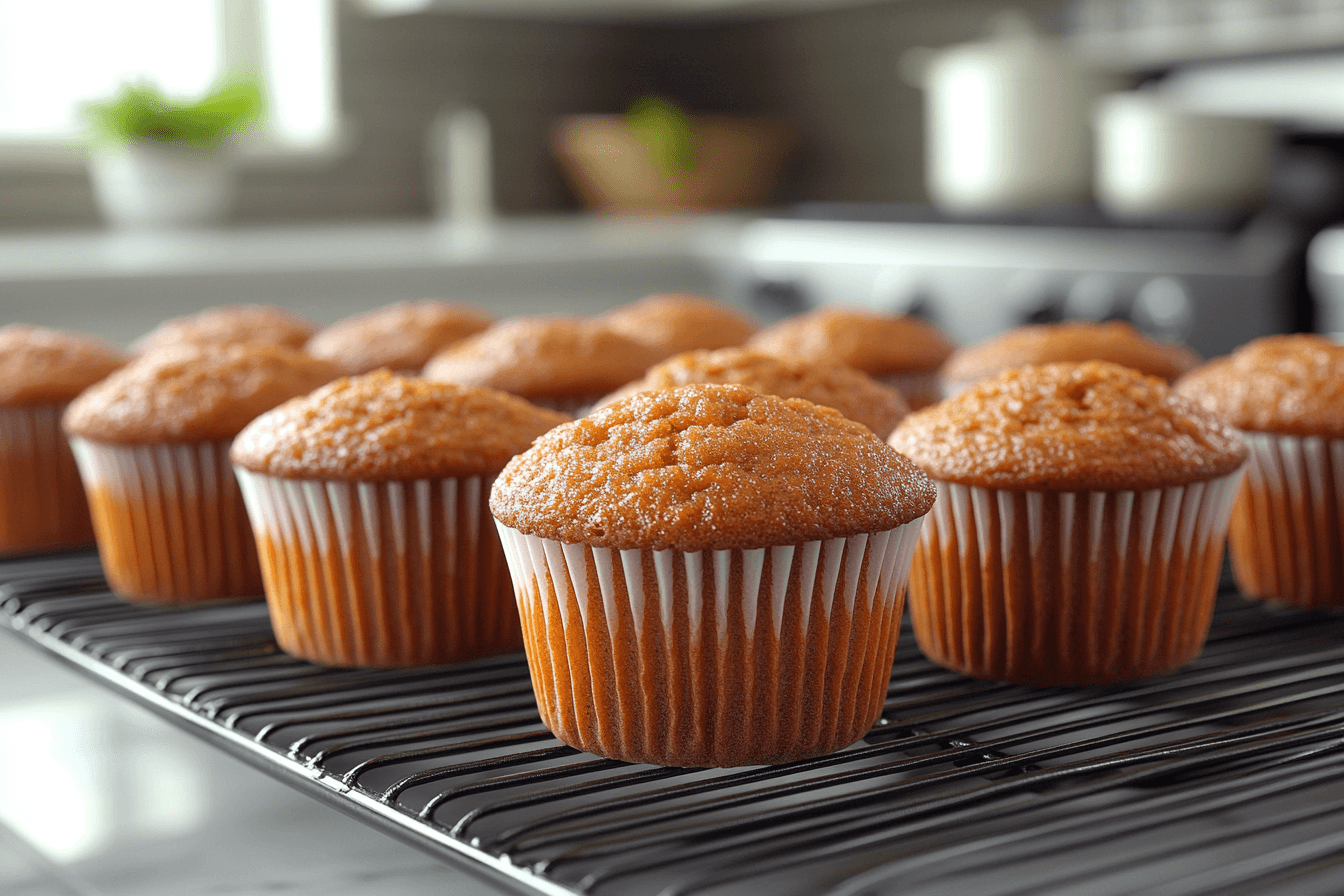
point(403, 336)
point(672, 323)
point(877, 344)
point(1064, 427)
point(1076, 341)
point(708, 467)
point(43, 366)
point(382, 427)
point(229, 324)
point(1293, 385)
point(854, 394)
point(192, 393)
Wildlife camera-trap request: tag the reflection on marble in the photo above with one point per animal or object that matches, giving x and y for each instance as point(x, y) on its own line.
point(98, 797)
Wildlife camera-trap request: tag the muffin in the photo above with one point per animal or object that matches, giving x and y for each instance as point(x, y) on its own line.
point(1079, 530)
point(1073, 341)
point(42, 505)
point(709, 575)
point(228, 324)
point(1286, 395)
point(369, 502)
point(856, 395)
point(402, 337)
point(671, 323)
point(563, 363)
point(152, 444)
point(904, 352)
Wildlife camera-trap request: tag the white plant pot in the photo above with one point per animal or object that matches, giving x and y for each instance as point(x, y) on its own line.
point(154, 184)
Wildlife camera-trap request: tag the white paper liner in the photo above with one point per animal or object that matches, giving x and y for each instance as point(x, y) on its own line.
point(382, 573)
point(170, 520)
point(1069, 588)
point(721, 658)
point(1287, 532)
point(42, 503)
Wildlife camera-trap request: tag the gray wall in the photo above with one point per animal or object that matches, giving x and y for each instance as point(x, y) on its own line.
point(832, 74)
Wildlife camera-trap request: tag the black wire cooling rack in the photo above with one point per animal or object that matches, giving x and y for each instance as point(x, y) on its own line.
point(1227, 777)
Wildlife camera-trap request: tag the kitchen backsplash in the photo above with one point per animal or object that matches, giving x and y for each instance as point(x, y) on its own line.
point(832, 73)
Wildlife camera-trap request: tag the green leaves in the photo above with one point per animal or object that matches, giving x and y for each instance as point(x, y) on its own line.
point(666, 131)
point(142, 111)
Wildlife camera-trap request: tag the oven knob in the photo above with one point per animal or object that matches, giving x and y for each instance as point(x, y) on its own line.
point(1163, 308)
point(1092, 297)
point(775, 299)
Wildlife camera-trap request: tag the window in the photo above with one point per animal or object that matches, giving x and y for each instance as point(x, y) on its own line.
point(56, 55)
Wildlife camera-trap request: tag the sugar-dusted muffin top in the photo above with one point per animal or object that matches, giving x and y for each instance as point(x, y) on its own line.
point(402, 336)
point(1075, 341)
point(708, 467)
point(381, 426)
point(1292, 385)
point(42, 366)
point(856, 395)
point(193, 393)
point(672, 323)
point(877, 344)
point(1070, 427)
point(231, 323)
point(543, 358)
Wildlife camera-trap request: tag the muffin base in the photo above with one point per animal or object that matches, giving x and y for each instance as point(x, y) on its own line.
point(170, 521)
point(1286, 537)
point(918, 389)
point(1069, 588)
point(720, 658)
point(382, 573)
point(42, 503)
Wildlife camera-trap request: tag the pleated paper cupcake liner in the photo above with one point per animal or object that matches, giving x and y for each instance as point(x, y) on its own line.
point(42, 504)
point(170, 521)
point(383, 573)
point(719, 658)
point(1287, 532)
point(1069, 588)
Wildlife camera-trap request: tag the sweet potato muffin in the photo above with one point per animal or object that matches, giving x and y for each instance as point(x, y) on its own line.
point(672, 323)
point(904, 352)
point(856, 395)
point(401, 337)
point(227, 324)
point(1286, 395)
point(1075, 341)
point(42, 504)
point(152, 443)
point(1079, 529)
point(709, 575)
point(564, 363)
point(369, 502)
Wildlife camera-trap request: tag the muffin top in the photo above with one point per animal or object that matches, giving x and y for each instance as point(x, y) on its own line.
point(856, 395)
point(877, 344)
point(193, 393)
point(1070, 427)
point(543, 358)
point(231, 323)
point(1292, 385)
point(402, 336)
point(382, 427)
point(672, 323)
point(42, 366)
point(1075, 341)
point(706, 467)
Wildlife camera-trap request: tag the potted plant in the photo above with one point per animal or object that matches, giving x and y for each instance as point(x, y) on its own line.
point(156, 162)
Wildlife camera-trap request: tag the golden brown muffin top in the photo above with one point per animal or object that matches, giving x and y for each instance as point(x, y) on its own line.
point(1292, 385)
point(42, 366)
point(543, 358)
point(877, 344)
point(193, 393)
point(1070, 427)
point(671, 323)
point(382, 427)
point(1074, 341)
point(231, 323)
point(402, 336)
point(705, 467)
point(856, 395)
